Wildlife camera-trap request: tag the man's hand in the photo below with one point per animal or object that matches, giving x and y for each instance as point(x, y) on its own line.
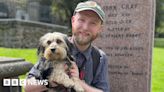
point(33, 88)
point(53, 84)
point(74, 71)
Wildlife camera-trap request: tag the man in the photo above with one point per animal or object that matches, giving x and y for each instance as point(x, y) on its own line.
point(87, 23)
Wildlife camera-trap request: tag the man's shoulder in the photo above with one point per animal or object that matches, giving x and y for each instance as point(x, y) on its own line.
point(102, 57)
point(100, 51)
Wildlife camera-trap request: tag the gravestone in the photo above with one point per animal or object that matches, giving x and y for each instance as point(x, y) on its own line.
point(127, 40)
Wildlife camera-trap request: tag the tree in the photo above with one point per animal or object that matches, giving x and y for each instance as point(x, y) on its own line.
point(63, 9)
point(21, 3)
point(159, 30)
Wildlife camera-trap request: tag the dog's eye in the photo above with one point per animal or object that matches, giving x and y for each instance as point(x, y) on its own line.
point(58, 41)
point(48, 42)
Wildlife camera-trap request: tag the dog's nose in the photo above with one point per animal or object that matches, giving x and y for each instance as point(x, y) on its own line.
point(53, 50)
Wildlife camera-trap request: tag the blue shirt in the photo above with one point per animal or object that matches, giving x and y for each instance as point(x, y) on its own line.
point(100, 80)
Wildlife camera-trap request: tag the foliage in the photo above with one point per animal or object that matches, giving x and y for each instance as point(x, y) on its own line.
point(159, 23)
point(160, 31)
point(159, 42)
point(63, 9)
point(21, 3)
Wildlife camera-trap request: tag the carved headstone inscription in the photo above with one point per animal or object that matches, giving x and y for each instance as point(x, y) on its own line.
point(127, 40)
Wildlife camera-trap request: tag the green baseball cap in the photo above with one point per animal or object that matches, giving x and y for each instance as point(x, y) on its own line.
point(90, 5)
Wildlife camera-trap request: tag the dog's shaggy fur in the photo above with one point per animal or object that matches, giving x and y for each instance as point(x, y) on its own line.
point(54, 48)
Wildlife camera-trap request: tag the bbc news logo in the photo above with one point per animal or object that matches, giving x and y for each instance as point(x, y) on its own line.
point(23, 82)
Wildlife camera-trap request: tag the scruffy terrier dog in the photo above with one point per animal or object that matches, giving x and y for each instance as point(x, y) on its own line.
point(53, 47)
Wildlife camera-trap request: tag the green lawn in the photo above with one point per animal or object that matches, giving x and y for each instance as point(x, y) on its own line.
point(157, 64)
point(28, 54)
point(158, 70)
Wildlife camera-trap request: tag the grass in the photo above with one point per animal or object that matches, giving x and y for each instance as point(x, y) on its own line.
point(28, 54)
point(158, 70)
point(157, 65)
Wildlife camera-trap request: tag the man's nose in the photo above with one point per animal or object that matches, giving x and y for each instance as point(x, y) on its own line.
point(85, 26)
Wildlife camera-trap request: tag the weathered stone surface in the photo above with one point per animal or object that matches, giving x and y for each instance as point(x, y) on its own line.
point(127, 40)
point(11, 67)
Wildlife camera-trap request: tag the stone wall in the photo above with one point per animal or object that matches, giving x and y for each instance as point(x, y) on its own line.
point(25, 34)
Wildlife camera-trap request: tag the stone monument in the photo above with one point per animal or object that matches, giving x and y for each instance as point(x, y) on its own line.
point(127, 40)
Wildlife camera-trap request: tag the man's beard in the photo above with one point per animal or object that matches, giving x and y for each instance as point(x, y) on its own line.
point(81, 40)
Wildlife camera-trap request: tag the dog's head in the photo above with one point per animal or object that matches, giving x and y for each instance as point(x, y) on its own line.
point(53, 46)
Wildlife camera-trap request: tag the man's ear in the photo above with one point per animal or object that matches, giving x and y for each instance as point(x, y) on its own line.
point(101, 28)
point(73, 19)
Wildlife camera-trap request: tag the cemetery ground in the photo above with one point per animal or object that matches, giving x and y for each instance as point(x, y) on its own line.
point(30, 55)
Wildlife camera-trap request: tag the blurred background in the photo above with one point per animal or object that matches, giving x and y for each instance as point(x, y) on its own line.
point(48, 11)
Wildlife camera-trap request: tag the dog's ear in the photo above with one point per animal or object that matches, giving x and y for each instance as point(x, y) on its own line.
point(40, 50)
point(69, 44)
point(69, 51)
point(71, 57)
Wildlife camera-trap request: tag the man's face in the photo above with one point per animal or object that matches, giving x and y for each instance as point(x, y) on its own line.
point(86, 25)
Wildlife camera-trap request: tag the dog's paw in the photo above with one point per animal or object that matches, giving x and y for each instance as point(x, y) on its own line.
point(78, 88)
point(69, 84)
